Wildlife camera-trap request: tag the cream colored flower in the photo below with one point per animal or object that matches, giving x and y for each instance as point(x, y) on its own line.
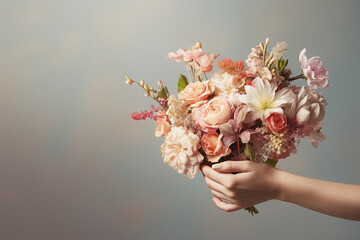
point(180, 151)
point(224, 84)
point(262, 100)
point(279, 50)
point(176, 113)
point(307, 105)
point(264, 73)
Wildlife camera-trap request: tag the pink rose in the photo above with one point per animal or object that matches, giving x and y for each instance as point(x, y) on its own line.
point(196, 92)
point(276, 123)
point(213, 147)
point(163, 127)
point(211, 115)
point(314, 71)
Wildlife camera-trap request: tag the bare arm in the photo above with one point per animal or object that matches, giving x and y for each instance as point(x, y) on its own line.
point(257, 182)
point(331, 198)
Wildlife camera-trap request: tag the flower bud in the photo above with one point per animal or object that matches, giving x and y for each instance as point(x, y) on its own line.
point(198, 45)
point(128, 80)
point(267, 41)
point(160, 84)
point(142, 83)
point(146, 87)
point(271, 62)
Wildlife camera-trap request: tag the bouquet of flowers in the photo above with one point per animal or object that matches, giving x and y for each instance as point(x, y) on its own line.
point(238, 113)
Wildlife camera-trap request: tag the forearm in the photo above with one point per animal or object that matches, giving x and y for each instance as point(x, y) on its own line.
point(331, 198)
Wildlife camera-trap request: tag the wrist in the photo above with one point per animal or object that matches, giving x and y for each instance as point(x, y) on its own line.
point(281, 180)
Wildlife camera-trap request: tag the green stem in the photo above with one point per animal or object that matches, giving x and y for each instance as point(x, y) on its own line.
point(161, 105)
point(297, 77)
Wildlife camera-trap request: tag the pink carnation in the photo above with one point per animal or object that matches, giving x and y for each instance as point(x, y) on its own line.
point(314, 71)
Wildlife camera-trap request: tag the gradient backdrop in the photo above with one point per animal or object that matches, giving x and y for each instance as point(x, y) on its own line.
point(74, 166)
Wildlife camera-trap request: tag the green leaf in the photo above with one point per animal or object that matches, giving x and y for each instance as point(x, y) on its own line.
point(167, 92)
point(182, 83)
point(162, 93)
point(271, 162)
point(249, 152)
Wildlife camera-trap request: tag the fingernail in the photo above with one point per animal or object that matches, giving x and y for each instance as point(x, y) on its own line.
point(216, 166)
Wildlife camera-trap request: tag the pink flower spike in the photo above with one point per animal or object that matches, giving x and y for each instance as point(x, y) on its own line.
point(154, 114)
point(178, 55)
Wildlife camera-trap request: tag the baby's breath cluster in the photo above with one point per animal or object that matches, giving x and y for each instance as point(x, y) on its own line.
point(276, 143)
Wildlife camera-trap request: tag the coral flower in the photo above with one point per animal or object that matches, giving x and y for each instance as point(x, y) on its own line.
point(233, 68)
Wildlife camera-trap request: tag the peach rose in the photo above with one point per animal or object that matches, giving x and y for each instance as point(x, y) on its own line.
point(213, 147)
point(195, 93)
point(163, 128)
point(211, 115)
point(276, 123)
point(217, 111)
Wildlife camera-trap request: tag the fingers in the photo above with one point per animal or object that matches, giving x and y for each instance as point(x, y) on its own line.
point(216, 186)
point(228, 207)
point(212, 174)
point(221, 196)
point(233, 166)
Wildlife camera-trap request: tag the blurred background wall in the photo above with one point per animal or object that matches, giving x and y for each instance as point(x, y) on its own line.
point(74, 165)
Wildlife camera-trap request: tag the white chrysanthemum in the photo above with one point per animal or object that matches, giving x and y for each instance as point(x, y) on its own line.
point(176, 114)
point(180, 151)
point(223, 83)
point(235, 100)
point(279, 50)
point(306, 105)
point(262, 99)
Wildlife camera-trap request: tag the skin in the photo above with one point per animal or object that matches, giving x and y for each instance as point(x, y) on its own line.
point(255, 183)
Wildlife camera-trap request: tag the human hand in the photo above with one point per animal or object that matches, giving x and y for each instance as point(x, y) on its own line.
point(253, 183)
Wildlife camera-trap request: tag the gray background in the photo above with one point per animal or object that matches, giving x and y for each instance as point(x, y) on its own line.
point(74, 165)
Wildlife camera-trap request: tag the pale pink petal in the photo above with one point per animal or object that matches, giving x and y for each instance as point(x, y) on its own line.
point(178, 55)
point(303, 59)
point(303, 115)
point(245, 136)
point(228, 140)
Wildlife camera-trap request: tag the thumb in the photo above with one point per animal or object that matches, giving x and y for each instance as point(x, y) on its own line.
point(233, 166)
